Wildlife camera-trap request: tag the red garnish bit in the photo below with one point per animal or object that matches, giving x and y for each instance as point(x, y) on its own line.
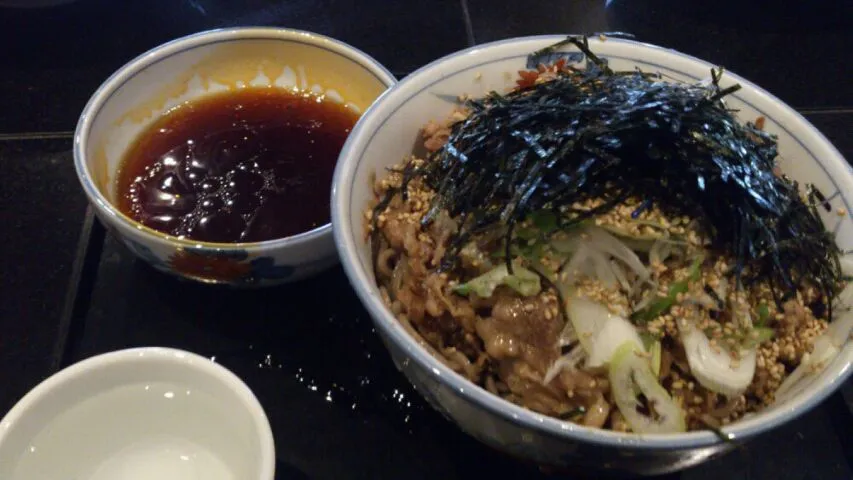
point(527, 78)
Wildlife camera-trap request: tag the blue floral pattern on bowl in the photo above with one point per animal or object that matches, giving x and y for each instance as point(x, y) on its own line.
point(232, 266)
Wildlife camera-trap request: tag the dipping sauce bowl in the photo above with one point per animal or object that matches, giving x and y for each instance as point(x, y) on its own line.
point(196, 66)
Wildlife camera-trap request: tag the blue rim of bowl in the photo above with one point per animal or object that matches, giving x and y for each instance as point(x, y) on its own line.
point(496, 405)
point(179, 45)
point(194, 360)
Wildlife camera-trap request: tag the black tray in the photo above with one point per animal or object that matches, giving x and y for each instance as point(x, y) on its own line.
point(338, 407)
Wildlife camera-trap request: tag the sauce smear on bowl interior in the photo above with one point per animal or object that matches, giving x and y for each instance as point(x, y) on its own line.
point(248, 165)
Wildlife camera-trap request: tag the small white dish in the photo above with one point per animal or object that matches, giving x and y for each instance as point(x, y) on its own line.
point(138, 414)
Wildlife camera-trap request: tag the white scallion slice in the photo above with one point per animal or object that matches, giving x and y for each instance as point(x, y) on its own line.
point(604, 242)
point(567, 245)
point(603, 272)
point(826, 346)
point(645, 404)
point(616, 332)
point(713, 366)
point(568, 361)
point(587, 318)
point(810, 366)
point(620, 276)
point(846, 265)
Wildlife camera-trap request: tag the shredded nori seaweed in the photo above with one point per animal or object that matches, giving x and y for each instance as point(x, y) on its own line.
point(597, 133)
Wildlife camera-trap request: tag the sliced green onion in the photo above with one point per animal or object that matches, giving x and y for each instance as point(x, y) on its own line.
point(656, 350)
point(645, 404)
point(662, 304)
point(763, 315)
point(713, 365)
point(527, 233)
point(544, 220)
point(521, 280)
point(760, 335)
point(648, 339)
point(615, 331)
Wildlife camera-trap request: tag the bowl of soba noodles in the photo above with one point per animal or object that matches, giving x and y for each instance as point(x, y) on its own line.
point(590, 252)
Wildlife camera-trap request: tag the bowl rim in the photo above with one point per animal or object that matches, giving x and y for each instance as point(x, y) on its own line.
point(173, 47)
point(195, 364)
point(495, 405)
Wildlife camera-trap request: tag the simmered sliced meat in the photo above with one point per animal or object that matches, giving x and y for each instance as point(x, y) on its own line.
point(521, 328)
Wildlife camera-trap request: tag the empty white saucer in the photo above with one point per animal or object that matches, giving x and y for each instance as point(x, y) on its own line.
point(138, 414)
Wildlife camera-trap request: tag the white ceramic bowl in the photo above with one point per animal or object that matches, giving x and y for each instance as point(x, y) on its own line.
point(138, 414)
point(387, 132)
point(191, 67)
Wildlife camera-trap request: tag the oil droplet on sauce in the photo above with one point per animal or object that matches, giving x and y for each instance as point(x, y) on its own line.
point(241, 166)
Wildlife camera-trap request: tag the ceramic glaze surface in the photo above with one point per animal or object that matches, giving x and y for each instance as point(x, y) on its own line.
point(151, 418)
point(138, 414)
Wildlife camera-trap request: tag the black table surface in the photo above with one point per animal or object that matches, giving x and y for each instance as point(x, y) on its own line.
point(338, 407)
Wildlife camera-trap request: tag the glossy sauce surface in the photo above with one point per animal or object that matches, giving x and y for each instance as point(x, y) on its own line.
point(241, 166)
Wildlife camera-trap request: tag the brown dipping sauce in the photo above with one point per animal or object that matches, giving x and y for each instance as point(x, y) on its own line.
point(241, 166)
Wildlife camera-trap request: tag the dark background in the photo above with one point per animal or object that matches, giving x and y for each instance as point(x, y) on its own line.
point(337, 406)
